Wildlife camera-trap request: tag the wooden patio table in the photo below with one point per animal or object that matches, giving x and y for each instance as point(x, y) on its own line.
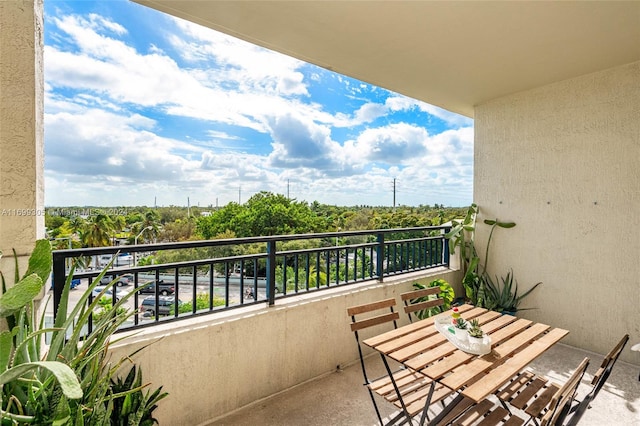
point(516, 342)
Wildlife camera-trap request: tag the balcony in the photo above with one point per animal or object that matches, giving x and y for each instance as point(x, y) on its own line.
point(213, 279)
point(287, 355)
point(339, 398)
point(556, 153)
point(295, 363)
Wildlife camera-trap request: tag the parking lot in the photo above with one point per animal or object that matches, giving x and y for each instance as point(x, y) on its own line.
point(185, 294)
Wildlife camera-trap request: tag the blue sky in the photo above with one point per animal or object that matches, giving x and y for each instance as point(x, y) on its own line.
point(144, 108)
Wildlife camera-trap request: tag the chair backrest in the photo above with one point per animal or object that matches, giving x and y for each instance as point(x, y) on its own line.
point(361, 323)
point(603, 373)
point(419, 300)
point(599, 379)
point(561, 401)
point(368, 315)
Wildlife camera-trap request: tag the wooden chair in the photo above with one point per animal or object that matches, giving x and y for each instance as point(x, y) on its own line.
point(598, 381)
point(487, 413)
point(406, 390)
point(419, 300)
point(532, 393)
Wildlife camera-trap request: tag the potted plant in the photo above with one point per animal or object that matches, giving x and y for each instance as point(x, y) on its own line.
point(73, 380)
point(476, 334)
point(504, 297)
point(479, 287)
point(460, 328)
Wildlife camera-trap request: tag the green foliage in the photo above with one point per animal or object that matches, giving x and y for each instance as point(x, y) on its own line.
point(24, 377)
point(105, 307)
point(503, 297)
point(474, 329)
point(446, 294)
point(480, 289)
point(263, 214)
point(70, 384)
point(460, 323)
point(98, 230)
point(131, 406)
point(202, 303)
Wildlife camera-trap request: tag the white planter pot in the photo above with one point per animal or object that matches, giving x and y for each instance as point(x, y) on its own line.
point(462, 334)
point(475, 340)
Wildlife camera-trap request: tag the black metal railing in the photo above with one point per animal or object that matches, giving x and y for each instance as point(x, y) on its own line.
point(215, 278)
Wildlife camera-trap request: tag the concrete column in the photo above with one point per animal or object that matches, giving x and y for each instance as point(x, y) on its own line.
point(21, 130)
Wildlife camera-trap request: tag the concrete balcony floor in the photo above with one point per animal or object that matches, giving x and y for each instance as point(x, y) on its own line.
point(340, 399)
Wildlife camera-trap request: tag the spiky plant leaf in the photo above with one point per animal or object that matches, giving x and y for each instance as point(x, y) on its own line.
point(65, 375)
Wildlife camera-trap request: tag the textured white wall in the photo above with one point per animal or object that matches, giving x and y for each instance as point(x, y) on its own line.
point(21, 128)
point(563, 162)
point(213, 365)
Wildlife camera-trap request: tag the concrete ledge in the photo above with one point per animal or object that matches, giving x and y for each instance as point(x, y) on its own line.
point(213, 365)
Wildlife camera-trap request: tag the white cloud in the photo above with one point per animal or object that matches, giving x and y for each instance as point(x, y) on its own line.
point(392, 144)
point(103, 145)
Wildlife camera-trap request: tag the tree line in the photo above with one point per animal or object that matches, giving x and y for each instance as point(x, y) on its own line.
point(264, 214)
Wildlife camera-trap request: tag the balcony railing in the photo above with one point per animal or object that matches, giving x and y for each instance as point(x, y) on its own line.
point(215, 278)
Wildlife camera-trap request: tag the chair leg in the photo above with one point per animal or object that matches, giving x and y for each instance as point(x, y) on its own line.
point(505, 406)
point(375, 406)
point(395, 387)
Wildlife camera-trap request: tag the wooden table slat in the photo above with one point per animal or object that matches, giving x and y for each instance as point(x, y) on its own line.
point(489, 316)
point(418, 347)
point(463, 375)
point(422, 360)
point(406, 340)
point(447, 364)
point(498, 323)
point(499, 375)
point(500, 335)
point(390, 335)
point(393, 334)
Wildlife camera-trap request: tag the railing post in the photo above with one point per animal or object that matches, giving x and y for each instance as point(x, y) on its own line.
point(58, 278)
point(271, 272)
point(380, 256)
point(445, 249)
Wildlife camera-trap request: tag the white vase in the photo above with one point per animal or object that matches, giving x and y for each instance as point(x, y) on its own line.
point(462, 334)
point(476, 340)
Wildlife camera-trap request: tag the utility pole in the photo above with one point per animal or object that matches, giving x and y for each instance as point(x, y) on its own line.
point(239, 195)
point(288, 198)
point(394, 195)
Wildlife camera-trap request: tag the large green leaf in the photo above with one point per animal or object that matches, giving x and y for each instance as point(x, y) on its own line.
point(6, 343)
point(65, 376)
point(20, 295)
point(40, 261)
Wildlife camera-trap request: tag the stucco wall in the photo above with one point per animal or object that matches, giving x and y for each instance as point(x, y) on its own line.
point(562, 161)
point(21, 129)
point(213, 365)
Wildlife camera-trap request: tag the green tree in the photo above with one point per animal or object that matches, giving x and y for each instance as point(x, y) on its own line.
point(149, 226)
point(263, 214)
point(98, 230)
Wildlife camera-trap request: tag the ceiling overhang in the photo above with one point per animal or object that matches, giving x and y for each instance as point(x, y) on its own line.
point(454, 55)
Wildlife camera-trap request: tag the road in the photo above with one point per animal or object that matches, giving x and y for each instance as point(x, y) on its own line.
point(185, 291)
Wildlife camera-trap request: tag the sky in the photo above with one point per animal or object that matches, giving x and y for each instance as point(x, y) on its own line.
point(142, 108)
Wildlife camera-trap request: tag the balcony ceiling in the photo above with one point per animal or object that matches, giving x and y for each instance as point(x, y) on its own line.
point(451, 54)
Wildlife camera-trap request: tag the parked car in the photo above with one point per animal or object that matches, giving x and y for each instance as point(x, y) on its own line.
point(109, 293)
point(75, 282)
point(165, 306)
point(125, 279)
point(164, 288)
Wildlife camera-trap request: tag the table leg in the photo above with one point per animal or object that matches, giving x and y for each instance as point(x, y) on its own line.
point(427, 403)
point(446, 410)
point(395, 387)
